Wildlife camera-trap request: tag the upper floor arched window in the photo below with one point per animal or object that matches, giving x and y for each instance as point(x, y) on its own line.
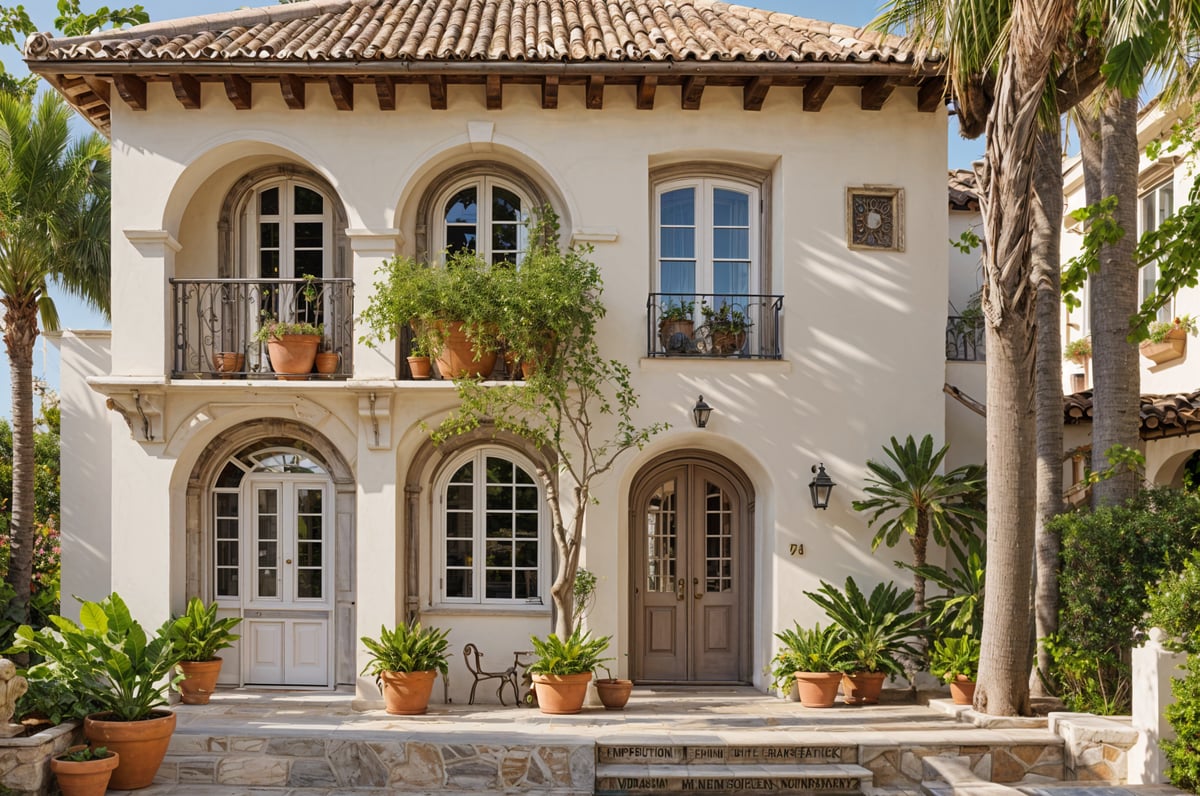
point(485, 214)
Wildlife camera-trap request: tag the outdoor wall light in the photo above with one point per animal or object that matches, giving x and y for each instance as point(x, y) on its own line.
point(821, 487)
point(700, 413)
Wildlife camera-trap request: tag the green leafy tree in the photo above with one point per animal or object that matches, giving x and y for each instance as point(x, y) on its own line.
point(910, 497)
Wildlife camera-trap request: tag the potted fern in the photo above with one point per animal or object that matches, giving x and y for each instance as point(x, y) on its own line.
point(197, 637)
point(814, 657)
point(405, 662)
point(563, 668)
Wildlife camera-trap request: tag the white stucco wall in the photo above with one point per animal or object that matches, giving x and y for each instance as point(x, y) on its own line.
point(863, 332)
point(966, 275)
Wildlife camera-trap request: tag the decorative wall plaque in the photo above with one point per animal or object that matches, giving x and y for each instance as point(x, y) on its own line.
point(875, 218)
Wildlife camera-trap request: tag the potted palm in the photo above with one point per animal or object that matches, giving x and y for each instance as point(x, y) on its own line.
point(563, 668)
point(955, 661)
point(84, 770)
point(292, 346)
point(814, 657)
point(727, 327)
point(405, 662)
point(878, 629)
point(110, 659)
point(197, 637)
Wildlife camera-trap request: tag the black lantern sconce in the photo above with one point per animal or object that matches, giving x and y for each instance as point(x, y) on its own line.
point(821, 487)
point(700, 413)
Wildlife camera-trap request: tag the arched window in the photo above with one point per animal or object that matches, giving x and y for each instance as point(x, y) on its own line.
point(491, 540)
point(286, 230)
point(483, 213)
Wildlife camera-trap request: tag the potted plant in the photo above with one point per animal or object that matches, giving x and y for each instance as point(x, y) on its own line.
point(562, 669)
point(196, 638)
point(420, 366)
point(955, 661)
point(1167, 340)
point(676, 317)
point(405, 662)
point(84, 770)
point(292, 346)
point(727, 327)
point(877, 629)
point(327, 360)
point(614, 692)
point(1078, 351)
point(109, 658)
point(815, 656)
point(228, 362)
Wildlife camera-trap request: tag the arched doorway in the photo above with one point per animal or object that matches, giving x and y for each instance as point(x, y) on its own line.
point(691, 552)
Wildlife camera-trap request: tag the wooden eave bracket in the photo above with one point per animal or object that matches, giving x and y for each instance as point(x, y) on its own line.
point(342, 91)
point(647, 85)
point(187, 91)
point(132, 89)
point(875, 93)
point(691, 93)
point(237, 89)
point(816, 91)
point(931, 94)
point(595, 92)
point(755, 92)
point(292, 87)
point(550, 92)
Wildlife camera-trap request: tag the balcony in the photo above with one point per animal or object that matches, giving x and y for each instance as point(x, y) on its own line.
point(964, 339)
point(213, 323)
point(714, 326)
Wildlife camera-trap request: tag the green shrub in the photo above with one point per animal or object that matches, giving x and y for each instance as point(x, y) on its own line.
point(1183, 753)
point(1175, 607)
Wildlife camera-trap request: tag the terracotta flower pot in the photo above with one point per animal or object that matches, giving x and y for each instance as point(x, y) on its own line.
point(561, 693)
point(862, 688)
point(199, 680)
point(962, 690)
point(142, 745)
point(420, 367)
point(84, 777)
point(818, 689)
point(328, 362)
point(457, 357)
point(726, 343)
point(614, 692)
point(293, 354)
point(229, 362)
point(407, 693)
point(667, 330)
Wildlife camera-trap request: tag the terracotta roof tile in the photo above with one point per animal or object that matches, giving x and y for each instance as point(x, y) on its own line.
point(963, 194)
point(529, 30)
point(1161, 415)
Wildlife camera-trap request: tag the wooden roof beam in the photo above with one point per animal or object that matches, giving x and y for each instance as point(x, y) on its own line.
point(647, 85)
point(494, 91)
point(875, 93)
point(755, 92)
point(437, 92)
point(931, 94)
point(292, 87)
point(187, 91)
point(385, 93)
point(132, 89)
point(816, 91)
point(594, 98)
point(550, 92)
point(101, 88)
point(237, 89)
point(342, 91)
point(691, 92)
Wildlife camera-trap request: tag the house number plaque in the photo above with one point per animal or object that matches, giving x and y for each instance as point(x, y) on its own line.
point(796, 550)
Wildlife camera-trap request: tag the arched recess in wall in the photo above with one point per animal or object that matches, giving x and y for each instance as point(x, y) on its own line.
point(203, 514)
point(428, 467)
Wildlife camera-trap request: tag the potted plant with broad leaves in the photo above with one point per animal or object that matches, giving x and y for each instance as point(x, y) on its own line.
point(84, 770)
point(291, 346)
point(814, 657)
point(727, 327)
point(878, 629)
point(563, 668)
point(955, 661)
point(197, 637)
point(405, 662)
point(112, 660)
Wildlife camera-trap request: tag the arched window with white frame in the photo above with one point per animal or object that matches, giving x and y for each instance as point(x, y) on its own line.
point(484, 213)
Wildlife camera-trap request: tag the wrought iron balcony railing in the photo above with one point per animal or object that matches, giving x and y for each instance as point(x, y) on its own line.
point(714, 325)
point(214, 321)
point(964, 339)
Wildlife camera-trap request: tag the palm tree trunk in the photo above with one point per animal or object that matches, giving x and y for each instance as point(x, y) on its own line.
point(1114, 298)
point(1047, 221)
point(1006, 177)
point(20, 334)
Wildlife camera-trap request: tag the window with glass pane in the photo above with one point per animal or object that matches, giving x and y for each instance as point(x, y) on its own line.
point(494, 227)
point(310, 544)
point(662, 536)
point(1155, 207)
point(290, 224)
point(493, 532)
point(718, 540)
point(226, 543)
point(267, 542)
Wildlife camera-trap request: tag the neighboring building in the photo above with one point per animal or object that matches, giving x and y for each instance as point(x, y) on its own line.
point(1170, 405)
point(700, 147)
point(966, 370)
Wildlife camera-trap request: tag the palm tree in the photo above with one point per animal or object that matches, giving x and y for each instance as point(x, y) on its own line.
point(914, 498)
point(54, 209)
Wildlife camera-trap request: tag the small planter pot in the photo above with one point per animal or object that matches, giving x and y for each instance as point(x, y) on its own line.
point(862, 688)
point(561, 693)
point(407, 693)
point(1170, 349)
point(726, 343)
point(84, 777)
point(818, 689)
point(293, 354)
point(199, 680)
point(228, 362)
point(421, 368)
point(962, 690)
point(614, 692)
point(142, 745)
point(328, 362)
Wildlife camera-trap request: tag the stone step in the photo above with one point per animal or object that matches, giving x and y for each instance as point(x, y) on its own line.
point(623, 753)
point(726, 780)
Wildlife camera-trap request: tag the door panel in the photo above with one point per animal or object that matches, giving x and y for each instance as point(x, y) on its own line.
point(264, 650)
point(308, 662)
point(663, 584)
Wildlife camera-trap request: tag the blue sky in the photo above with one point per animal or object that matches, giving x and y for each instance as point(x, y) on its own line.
point(75, 315)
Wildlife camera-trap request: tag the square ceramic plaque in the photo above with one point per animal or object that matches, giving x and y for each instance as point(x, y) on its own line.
point(875, 218)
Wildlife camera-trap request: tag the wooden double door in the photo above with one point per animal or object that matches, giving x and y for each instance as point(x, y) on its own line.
point(691, 552)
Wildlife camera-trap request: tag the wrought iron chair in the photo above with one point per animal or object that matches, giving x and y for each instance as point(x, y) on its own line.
point(507, 678)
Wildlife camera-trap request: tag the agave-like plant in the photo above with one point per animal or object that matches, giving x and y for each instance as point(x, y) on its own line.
point(578, 654)
point(408, 648)
point(877, 628)
point(814, 649)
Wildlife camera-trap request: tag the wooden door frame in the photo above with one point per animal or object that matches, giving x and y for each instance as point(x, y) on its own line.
point(645, 480)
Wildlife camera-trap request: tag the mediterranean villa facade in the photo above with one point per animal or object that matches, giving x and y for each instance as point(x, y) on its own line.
point(794, 168)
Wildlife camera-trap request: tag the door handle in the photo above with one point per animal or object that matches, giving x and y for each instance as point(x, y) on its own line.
point(681, 589)
point(288, 561)
point(696, 588)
